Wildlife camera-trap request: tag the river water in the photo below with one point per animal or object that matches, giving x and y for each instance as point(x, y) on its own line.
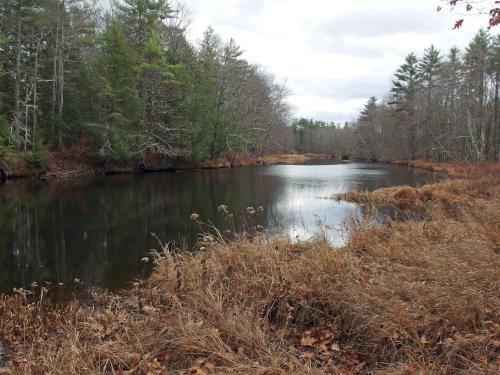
point(98, 229)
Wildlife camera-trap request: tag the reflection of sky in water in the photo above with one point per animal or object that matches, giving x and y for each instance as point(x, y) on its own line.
point(98, 229)
point(301, 213)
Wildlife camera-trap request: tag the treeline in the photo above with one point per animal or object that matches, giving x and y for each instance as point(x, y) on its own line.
point(440, 107)
point(122, 81)
point(313, 136)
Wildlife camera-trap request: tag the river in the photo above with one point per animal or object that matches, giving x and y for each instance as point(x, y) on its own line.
point(98, 229)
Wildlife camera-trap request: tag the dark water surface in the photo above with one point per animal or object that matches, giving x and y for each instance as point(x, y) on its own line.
point(98, 229)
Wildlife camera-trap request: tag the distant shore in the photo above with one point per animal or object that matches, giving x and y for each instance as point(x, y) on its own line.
point(59, 165)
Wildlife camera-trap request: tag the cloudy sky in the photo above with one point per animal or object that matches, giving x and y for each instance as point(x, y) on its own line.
point(333, 54)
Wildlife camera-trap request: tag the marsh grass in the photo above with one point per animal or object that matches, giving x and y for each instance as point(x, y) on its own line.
point(419, 296)
point(469, 170)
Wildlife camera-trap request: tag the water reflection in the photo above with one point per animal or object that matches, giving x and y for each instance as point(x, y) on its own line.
point(98, 229)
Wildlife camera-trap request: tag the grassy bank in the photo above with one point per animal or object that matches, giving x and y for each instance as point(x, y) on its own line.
point(419, 296)
point(464, 170)
point(62, 164)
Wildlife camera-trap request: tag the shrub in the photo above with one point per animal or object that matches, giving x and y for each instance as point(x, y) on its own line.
point(4, 135)
point(35, 157)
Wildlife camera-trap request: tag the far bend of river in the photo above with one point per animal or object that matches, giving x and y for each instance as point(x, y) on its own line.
point(98, 229)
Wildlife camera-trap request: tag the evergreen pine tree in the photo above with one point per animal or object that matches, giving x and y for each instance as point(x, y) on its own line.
point(121, 103)
point(141, 18)
point(369, 110)
point(429, 67)
point(405, 83)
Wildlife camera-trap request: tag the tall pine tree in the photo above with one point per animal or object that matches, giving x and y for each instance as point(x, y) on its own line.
point(121, 105)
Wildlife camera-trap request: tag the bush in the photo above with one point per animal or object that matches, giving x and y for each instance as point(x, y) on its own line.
point(4, 135)
point(35, 157)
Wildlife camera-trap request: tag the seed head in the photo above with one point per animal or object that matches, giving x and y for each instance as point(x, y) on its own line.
point(222, 209)
point(251, 211)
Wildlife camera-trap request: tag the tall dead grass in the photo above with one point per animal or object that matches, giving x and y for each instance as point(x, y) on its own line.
point(420, 296)
point(470, 186)
point(457, 169)
point(293, 158)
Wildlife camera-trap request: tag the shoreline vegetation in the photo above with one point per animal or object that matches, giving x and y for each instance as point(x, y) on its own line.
point(57, 165)
point(416, 296)
point(124, 86)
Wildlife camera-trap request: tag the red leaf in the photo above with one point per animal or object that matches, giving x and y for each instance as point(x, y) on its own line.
point(494, 21)
point(458, 24)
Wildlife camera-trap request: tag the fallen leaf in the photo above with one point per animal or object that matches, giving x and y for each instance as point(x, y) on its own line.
point(210, 366)
point(307, 341)
point(423, 340)
point(196, 370)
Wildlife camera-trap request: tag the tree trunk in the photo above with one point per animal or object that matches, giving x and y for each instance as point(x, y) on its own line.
point(60, 77)
point(494, 151)
point(54, 85)
point(214, 140)
point(35, 97)
point(17, 83)
point(482, 125)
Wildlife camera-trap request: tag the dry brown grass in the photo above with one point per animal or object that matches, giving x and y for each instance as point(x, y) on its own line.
point(293, 158)
point(453, 169)
point(410, 297)
point(469, 186)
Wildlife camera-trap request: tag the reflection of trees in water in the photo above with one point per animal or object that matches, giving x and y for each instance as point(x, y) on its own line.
point(34, 243)
point(98, 229)
point(393, 176)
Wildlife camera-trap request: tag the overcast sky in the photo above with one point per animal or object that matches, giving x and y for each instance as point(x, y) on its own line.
point(333, 54)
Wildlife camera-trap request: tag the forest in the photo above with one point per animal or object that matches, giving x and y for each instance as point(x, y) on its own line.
point(119, 82)
point(442, 106)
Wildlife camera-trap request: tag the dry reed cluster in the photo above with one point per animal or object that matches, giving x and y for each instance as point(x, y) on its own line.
point(419, 296)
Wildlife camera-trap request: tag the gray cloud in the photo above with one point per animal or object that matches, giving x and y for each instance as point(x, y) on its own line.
point(329, 116)
point(242, 14)
point(376, 20)
point(334, 55)
point(342, 88)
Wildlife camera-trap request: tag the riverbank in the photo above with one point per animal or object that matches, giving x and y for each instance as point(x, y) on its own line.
point(462, 182)
point(418, 296)
point(451, 169)
point(61, 165)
